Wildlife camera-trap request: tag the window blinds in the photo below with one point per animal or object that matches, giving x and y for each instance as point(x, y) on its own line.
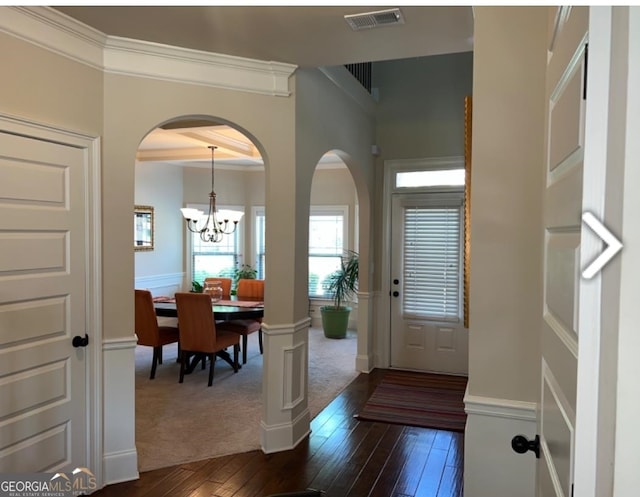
point(431, 262)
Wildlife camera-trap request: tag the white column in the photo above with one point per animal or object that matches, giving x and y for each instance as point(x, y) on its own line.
point(285, 416)
point(364, 359)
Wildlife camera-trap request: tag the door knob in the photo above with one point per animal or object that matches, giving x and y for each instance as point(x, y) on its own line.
point(79, 341)
point(522, 445)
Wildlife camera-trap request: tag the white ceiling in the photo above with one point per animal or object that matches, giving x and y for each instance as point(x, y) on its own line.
point(187, 145)
point(305, 36)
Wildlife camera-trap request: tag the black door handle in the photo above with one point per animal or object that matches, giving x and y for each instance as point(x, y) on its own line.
point(522, 445)
point(79, 341)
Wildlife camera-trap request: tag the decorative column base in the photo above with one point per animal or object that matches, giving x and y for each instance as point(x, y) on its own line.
point(119, 445)
point(285, 412)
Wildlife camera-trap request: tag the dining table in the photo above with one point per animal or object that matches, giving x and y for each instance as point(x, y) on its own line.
point(226, 309)
point(223, 310)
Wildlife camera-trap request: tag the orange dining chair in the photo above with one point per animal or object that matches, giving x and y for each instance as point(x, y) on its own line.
point(200, 336)
point(248, 290)
point(148, 331)
point(225, 283)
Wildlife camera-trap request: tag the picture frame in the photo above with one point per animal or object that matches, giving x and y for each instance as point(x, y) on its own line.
point(143, 228)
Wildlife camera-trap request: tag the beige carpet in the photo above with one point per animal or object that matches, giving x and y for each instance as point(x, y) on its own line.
point(178, 423)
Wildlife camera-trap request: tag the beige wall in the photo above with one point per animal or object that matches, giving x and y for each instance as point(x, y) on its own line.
point(336, 187)
point(506, 202)
point(133, 107)
point(40, 85)
point(328, 120)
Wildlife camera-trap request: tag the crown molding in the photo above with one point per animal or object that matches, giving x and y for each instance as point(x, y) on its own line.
point(153, 60)
point(56, 32)
point(52, 30)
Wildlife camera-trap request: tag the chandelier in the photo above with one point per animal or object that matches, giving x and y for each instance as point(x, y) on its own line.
point(217, 223)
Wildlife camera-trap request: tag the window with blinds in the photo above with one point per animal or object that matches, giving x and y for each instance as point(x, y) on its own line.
point(259, 220)
point(214, 259)
point(431, 262)
point(327, 243)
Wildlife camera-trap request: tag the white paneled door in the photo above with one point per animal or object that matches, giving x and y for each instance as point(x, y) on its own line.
point(43, 288)
point(565, 92)
point(427, 331)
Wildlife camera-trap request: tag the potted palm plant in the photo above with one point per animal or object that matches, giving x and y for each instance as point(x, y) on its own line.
point(341, 285)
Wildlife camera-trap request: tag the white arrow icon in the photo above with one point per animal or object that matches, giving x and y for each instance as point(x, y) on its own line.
point(613, 245)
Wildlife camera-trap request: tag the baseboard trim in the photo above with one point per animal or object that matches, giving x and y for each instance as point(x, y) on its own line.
point(120, 456)
point(363, 364)
point(285, 436)
point(500, 408)
point(121, 466)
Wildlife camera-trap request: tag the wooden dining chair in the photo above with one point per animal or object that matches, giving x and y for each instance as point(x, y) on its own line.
point(148, 331)
point(200, 336)
point(225, 283)
point(248, 290)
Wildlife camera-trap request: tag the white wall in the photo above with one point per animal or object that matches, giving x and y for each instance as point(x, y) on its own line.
point(160, 186)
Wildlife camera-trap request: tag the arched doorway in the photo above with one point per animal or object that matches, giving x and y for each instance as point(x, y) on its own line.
point(173, 170)
point(333, 230)
point(168, 178)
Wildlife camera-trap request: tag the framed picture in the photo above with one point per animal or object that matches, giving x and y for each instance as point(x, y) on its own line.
point(143, 227)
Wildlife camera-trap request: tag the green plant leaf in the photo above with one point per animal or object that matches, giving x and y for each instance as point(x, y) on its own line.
point(342, 284)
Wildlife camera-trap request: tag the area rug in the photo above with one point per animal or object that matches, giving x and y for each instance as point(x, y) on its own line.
point(179, 423)
point(418, 399)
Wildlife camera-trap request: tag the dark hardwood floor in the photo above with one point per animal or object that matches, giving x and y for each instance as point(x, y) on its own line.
point(342, 456)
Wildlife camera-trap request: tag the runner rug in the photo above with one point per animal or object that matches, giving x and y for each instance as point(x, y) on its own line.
point(418, 399)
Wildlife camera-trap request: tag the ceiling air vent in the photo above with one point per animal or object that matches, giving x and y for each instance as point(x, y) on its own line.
point(376, 19)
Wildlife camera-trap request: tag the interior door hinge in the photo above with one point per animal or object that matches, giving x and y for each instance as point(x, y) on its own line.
point(584, 74)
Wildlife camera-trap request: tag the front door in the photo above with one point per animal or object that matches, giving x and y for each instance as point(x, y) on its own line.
point(43, 260)
point(565, 92)
point(427, 331)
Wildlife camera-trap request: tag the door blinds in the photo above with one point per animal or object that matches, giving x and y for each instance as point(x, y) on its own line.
point(431, 262)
